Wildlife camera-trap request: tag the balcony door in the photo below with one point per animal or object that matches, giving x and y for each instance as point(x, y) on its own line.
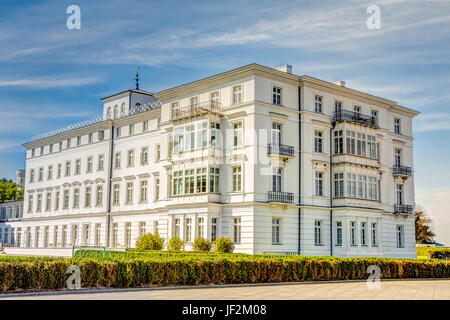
point(399, 192)
point(276, 179)
point(276, 134)
point(397, 157)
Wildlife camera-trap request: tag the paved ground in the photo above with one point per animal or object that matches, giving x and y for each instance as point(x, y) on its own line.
point(391, 290)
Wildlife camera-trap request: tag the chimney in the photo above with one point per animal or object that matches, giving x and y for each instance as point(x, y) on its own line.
point(286, 68)
point(340, 83)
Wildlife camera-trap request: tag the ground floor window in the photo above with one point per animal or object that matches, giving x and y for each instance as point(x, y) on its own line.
point(127, 235)
point(363, 234)
point(201, 227)
point(400, 236)
point(64, 236)
point(98, 233)
point(353, 233)
point(237, 230)
point(115, 235)
point(276, 230)
point(213, 229)
point(374, 235)
point(338, 233)
point(318, 232)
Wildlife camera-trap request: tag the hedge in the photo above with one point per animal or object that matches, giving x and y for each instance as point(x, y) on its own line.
point(433, 252)
point(136, 272)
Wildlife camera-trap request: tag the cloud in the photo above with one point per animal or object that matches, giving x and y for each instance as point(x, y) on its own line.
point(438, 121)
point(48, 82)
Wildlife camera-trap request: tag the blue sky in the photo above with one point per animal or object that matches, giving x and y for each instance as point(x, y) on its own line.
point(51, 76)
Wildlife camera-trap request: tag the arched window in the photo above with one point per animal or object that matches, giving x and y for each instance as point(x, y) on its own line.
point(116, 112)
point(138, 105)
point(122, 110)
point(108, 113)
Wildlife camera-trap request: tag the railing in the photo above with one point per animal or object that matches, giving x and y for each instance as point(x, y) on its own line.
point(402, 170)
point(280, 149)
point(11, 210)
point(282, 197)
point(403, 208)
point(88, 122)
point(196, 109)
point(357, 117)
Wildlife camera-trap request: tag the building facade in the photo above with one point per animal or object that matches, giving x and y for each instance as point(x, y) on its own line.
point(277, 162)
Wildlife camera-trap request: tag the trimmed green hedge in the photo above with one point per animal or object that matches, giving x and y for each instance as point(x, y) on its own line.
point(135, 272)
point(433, 252)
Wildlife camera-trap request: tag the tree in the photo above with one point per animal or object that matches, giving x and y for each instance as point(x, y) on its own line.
point(423, 226)
point(9, 191)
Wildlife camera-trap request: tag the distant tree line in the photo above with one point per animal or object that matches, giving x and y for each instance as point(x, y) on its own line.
point(9, 190)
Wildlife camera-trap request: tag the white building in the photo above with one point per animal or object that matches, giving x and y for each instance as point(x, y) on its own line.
point(275, 161)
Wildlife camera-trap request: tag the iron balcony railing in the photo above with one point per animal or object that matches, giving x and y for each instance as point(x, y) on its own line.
point(195, 109)
point(403, 208)
point(280, 149)
point(357, 117)
point(282, 197)
point(402, 170)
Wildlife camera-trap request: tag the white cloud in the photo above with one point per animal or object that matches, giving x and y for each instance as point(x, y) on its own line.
point(437, 121)
point(48, 82)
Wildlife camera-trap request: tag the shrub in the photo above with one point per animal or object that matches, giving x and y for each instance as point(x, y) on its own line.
point(223, 245)
point(150, 242)
point(202, 244)
point(176, 244)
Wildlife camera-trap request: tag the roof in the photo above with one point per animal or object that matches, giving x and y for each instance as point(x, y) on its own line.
point(130, 90)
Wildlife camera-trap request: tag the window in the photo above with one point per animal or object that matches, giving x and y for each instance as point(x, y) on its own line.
point(201, 227)
point(48, 201)
point(176, 230)
point(215, 99)
point(57, 194)
point(88, 195)
point(101, 161)
point(214, 180)
point(101, 135)
point(131, 129)
point(178, 183)
point(33, 152)
point(353, 233)
point(90, 161)
point(58, 173)
point(76, 198)
point(193, 101)
point(98, 234)
point(317, 232)
point(318, 104)
point(156, 189)
point(318, 141)
point(68, 143)
point(337, 106)
point(276, 225)
point(127, 234)
point(116, 189)
point(201, 180)
point(338, 185)
point(141, 230)
point(213, 229)
point(214, 134)
point(237, 179)
point(397, 157)
point(188, 234)
point(77, 166)
point(118, 132)
point(30, 203)
point(189, 181)
point(363, 234)
point(117, 160)
point(189, 137)
point(399, 192)
point(237, 230)
point(155, 227)
point(371, 147)
point(130, 158)
point(39, 202)
point(115, 235)
point(237, 94)
point(158, 152)
point(31, 175)
point(145, 126)
point(400, 236)
point(36, 237)
point(50, 147)
point(78, 140)
point(237, 134)
point(50, 173)
point(116, 112)
point(99, 197)
point(108, 113)
point(276, 179)
point(319, 183)
point(64, 236)
point(374, 234)
point(362, 187)
point(66, 199)
point(85, 235)
point(397, 125)
point(357, 109)
point(351, 185)
point(276, 95)
point(338, 233)
point(143, 197)
point(144, 155)
point(41, 174)
point(276, 134)
point(90, 137)
point(338, 142)
point(129, 192)
point(375, 116)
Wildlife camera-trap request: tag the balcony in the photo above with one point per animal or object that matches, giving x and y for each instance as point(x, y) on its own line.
point(402, 171)
point(355, 117)
point(281, 197)
point(196, 110)
point(403, 208)
point(280, 150)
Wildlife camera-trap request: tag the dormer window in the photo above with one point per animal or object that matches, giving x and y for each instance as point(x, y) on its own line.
point(122, 110)
point(116, 112)
point(108, 113)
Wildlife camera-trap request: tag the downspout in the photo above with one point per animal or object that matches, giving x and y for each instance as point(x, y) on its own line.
point(108, 198)
point(331, 194)
point(299, 167)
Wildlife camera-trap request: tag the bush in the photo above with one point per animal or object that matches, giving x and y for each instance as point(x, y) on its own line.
point(202, 244)
point(176, 244)
point(150, 242)
point(223, 245)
